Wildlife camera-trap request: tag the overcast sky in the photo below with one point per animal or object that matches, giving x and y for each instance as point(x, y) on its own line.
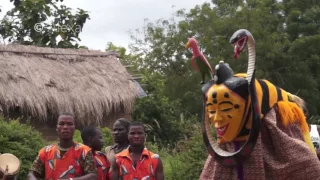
point(110, 20)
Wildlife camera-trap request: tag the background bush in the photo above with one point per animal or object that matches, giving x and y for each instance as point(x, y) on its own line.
point(184, 161)
point(22, 141)
point(187, 159)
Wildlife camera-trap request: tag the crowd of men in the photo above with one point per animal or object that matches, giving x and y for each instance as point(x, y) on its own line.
point(127, 159)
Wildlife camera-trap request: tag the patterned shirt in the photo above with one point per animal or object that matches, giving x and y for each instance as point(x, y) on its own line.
point(145, 168)
point(102, 164)
point(110, 152)
point(54, 163)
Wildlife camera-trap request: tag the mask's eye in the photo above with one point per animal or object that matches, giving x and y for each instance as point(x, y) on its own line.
point(212, 112)
point(226, 110)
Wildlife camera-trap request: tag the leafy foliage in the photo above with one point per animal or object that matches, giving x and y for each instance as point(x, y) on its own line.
point(43, 23)
point(187, 159)
point(159, 115)
point(286, 35)
point(22, 141)
point(192, 155)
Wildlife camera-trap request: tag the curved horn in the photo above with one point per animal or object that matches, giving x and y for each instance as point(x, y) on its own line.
point(235, 158)
point(251, 49)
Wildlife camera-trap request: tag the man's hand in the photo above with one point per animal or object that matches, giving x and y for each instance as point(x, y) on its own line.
point(5, 173)
point(115, 171)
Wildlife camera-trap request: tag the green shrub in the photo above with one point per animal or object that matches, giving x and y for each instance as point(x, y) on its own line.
point(161, 119)
point(187, 160)
point(22, 141)
point(192, 155)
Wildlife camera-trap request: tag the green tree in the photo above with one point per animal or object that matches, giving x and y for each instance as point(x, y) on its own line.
point(43, 23)
point(302, 28)
point(284, 56)
point(121, 50)
point(161, 119)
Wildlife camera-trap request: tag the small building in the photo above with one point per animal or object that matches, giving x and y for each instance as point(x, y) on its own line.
point(39, 83)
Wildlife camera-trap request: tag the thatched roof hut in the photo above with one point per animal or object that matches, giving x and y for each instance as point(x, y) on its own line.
point(39, 83)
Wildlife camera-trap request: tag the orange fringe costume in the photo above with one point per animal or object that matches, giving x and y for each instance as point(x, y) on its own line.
point(262, 131)
point(289, 108)
point(283, 150)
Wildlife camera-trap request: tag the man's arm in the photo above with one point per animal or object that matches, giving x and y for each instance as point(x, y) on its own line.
point(32, 175)
point(115, 171)
point(37, 170)
point(159, 173)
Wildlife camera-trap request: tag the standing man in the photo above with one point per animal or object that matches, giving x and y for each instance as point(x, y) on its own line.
point(65, 160)
point(92, 137)
point(136, 162)
point(120, 132)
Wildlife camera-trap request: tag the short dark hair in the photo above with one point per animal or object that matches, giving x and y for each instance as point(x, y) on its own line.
point(124, 122)
point(66, 114)
point(137, 123)
point(87, 132)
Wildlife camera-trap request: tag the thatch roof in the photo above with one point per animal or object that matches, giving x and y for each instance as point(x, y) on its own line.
point(44, 82)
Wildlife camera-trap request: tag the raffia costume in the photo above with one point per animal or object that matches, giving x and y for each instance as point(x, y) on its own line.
point(262, 131)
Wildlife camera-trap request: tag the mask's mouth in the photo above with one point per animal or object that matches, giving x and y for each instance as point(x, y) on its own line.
point(239, 46)
point(222, 130)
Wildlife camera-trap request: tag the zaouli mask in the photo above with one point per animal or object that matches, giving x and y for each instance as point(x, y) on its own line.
point(227, 105)
point(235, 104)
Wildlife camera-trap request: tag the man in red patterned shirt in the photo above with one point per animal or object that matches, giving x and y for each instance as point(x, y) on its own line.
point(137, 162)
point(66, 159)
point(92, 137)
